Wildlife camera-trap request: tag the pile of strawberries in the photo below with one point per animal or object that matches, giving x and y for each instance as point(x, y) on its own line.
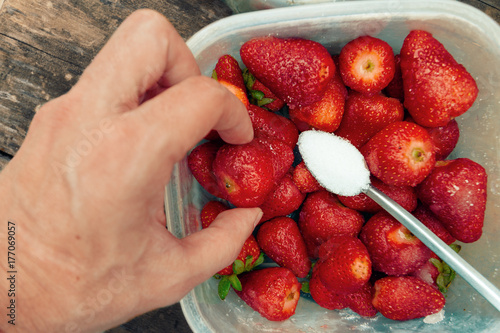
point(399, 111)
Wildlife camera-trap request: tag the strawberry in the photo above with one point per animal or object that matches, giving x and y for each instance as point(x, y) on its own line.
point(280, 239)
point(210, 211)
point(284, 200)
point(406, 297)
point(395, 88)
point(393, 249)
point(367, 64)
point(296, 70)
point(323, 216)
point(228, 69)
point(347, 268)
point(304, 180)
point(430, 220)
point(324, 297)
point(359, 301)
point(261, 95)
point(456, 192)
point(200, 162)
point(249, 257)
point(436, 272)
point(403, 195)
point(245, 174)
point(282, 155)
point(273, 292)
point(436, 87)
point(326, 113)
point(400, 154)
point(237, 91)
point(274, 125)
point(364, 116)
point(445, 138)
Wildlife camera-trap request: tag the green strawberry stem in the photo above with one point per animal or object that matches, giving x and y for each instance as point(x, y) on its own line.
point(446, 273)
point(232, 280)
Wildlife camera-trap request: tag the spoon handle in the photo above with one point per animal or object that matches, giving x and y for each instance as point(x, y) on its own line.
point(489, 291)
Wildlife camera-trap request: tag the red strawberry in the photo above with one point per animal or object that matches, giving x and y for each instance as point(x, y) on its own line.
point(393, 249)
point(400, 154)
point(403, 195)
point(282, 155)
point(437, 88)
point(273, 292)
point(326, 113)
point(445, 138)
point(284, 200)
point(228, 69)
point(274, 125)
point(436, 272)
point(261, 95)
point(296, 70)
point(304, 179)
point(237, 91)
point(364, 116)
point(406, 297)
point(456, 192)
point(245, 174)
point(324, 297)
point(323, 216)
point(347, 268)
point(430, 220)
point(359, 301)
point(210, 211)
point(427, 273)
point(281, 240)
point(367, 64)
point(248, 258)
point(249, 252)
point(200, 162)
point(395, 88)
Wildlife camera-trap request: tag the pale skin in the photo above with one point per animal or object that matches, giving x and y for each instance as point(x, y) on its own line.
point(85, 190)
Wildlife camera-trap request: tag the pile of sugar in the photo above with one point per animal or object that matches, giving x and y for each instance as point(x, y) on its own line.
point(334, 162)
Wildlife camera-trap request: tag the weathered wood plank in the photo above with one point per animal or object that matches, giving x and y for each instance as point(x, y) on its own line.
point(28, 79)
point(75, 30)
point(45, 45)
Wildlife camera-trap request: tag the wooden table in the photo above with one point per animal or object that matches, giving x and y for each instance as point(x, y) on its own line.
point(44, 47)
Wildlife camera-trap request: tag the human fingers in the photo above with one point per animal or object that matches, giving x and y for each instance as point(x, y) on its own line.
point(207, 251)
point(181, 116)
point(144, 51)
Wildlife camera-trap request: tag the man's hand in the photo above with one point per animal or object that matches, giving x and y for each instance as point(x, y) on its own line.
point(86, 188)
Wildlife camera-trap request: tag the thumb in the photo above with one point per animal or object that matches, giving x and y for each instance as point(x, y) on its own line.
point(218, 245)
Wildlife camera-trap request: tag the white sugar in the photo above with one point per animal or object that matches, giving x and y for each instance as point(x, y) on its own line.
point(334, 162)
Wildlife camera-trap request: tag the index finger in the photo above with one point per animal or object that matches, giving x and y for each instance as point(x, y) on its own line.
point(145, 50)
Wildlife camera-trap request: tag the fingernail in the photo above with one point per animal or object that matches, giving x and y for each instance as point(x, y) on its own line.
point(258, 218)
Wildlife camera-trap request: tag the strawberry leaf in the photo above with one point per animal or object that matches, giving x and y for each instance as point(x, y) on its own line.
point(257, 94)
point(265, 101)
point(223, 288)
point(214, 74)
point(235, 282)
point(305, 287)
point(437, 263)
point(259, 261)
point(248, 78)
point(456, 247)
point(248, 263)
point(238, 267)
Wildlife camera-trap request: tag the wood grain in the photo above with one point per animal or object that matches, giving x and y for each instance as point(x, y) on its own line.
point(45, 45)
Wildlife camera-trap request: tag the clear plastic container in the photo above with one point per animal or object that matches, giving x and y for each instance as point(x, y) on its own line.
point(474, 40)
point(242, 6)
